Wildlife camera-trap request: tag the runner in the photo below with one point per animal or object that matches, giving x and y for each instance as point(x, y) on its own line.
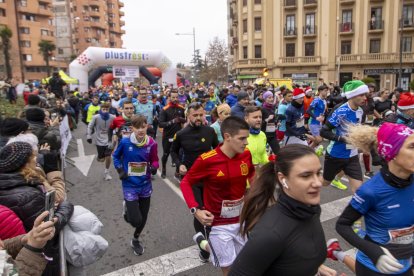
point(405, 110)
point(145, 108)
point(223, 111)
point(269, 121)
point(257, 138)
point(285, 234)
point(341, 156)
point(316, 112)
point(385, 201)
point(136, 159)
point(98, 128)
point(281, 115)
point(115, 133)
point(224, 172)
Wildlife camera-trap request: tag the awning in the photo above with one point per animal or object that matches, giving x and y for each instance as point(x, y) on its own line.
point(245, 77)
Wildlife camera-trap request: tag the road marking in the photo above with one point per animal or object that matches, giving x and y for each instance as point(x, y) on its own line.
point(83, 162)
point(173, 187)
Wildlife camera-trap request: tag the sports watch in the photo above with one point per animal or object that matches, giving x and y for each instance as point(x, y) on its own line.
point(193, 210)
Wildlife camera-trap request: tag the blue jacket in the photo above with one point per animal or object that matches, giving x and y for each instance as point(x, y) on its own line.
point(231, 100)
point(295, 120)
point(238, 110)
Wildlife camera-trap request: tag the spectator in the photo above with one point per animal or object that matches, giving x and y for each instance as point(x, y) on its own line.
point(36, 118)
point(56, 85)
point(11, 127)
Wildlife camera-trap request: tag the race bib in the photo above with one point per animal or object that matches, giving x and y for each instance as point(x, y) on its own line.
point(300, 123)
point(170, 140)
point(270, 127)
point(369, 119)
point(402, 235)
point(137, 168)
point(231, 208)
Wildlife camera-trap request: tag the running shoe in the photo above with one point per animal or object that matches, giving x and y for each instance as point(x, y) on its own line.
point(137, 247)
point(338, 184)
point(173, 164)
point(332, 246)
point(319, 151)
point(369, 174)
point(108, 177)
point(203, 254)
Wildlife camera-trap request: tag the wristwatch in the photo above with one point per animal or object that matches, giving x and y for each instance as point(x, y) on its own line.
point(193, 210)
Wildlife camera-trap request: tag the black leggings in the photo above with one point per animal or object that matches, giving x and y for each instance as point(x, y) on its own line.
point(273, 143)
point(137, 213)
point(166, 148)
point(362, 270)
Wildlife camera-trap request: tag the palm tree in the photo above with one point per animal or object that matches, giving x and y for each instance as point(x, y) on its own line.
point(45, 49)
point(5, 35)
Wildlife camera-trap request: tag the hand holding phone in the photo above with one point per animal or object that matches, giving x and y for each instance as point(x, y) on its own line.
point(50, 205)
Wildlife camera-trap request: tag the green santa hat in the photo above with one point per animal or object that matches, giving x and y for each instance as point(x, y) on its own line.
point(355, 88)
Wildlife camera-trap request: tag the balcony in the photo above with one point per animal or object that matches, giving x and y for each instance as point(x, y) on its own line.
point(346, 2)
point(95, 12)
point(379, 58)
point(235, 22)
point(121, 22)
point(250, 63)
point(309, 31)
point(310, 3)
point(376, 26)
point(299, 61)
point(290, 32)
point(96, 24)
point(121, 13)
point(346, 28)
point(45, 12)
point(407, 23)
point(290, 4)
point(120, 4)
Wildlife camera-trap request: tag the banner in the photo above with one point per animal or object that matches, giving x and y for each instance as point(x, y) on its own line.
point(125, 71)
point(65, 135)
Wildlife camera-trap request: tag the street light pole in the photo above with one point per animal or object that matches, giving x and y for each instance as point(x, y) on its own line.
point(401, 44)
point(194, 49)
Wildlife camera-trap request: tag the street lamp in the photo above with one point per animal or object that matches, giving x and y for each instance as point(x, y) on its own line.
point(401, 44)
point(194, 45)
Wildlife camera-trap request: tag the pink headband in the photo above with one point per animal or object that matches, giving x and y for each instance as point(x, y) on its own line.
point(390, 138)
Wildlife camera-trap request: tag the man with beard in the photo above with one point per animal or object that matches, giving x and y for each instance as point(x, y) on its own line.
point(193, 140)
point(145, 108)
point(257, 139)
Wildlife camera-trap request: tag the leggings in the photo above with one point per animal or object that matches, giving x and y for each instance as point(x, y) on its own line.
point(137, 213)
point(273, 143)
point(362, 270)
point(166, 148)
point(367, 161)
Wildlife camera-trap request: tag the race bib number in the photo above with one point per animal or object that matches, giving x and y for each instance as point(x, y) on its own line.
point(300, 123)
point(231, 208)
point(270, 127)
point(170, 140)
point(137, 168)
point(402, 235)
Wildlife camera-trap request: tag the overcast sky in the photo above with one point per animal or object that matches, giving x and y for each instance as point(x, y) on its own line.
point(152, 24)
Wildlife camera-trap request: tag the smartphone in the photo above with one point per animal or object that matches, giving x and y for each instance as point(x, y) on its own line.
point(53, 116)
point(50, 205)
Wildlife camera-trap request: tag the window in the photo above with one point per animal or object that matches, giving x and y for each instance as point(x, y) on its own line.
point(310, 23)
point(257, 2)
point(408, 14)
point(111, 6)
point(111, 15)
point(25, 44)
point(88, 40)
point(257, 24)
point(257, 51)
point(44, 32)
point(44, 6)
point(24, 30)
point(86, 18)
point(60, 51)
point(375, 22)
point(244, 3)
point(347, 16)
point(346, 47)
point(85, 8)
point(112, 24)
point(290, 49)
point(22, 3)
point(112, 44)
point(59, 9)
point(290, 24)
point(406, 43)
point(309, 49)
point(50, 22)
point(28, 17)
point(244, 26)
point(244, 52)
point(27, 57)
point(86, 29)
point(3, 12)
point(374, 46)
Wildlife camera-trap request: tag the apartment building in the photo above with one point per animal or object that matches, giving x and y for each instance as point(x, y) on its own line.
point(72, 25)
point(310, 39)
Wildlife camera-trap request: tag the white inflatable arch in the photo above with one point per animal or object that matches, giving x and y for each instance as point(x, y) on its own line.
point(97, 56)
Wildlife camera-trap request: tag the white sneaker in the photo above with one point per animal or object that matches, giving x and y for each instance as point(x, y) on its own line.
point(108, 177)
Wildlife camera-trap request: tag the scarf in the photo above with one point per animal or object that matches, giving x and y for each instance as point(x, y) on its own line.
point(126, 118)
point(104, 115)
point(268, 106)
point(393, 180)
point(135, 141)
point(254, 131)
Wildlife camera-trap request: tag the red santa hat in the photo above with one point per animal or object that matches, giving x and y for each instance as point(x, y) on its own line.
point(298, 93)
point(308, 90)
point(406, 101)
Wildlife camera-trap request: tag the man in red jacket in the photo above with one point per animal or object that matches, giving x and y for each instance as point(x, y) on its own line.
point(225, 172)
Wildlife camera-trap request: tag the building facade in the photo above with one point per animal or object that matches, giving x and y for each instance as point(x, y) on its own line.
point(70, 25)
point(310, 39)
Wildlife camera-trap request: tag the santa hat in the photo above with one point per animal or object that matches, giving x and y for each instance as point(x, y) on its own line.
point(308, 90)
point(406, 101)
point(355, 88)
point(298, 93)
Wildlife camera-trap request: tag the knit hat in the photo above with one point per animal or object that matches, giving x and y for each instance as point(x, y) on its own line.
point(298, 94)
point(267, 94)
point(35, 114)
point(354, 88)
point(390, 139)
point(12, 126)
point(242, 95)
point(223, 107)
point(13, 156)
point(406, 101)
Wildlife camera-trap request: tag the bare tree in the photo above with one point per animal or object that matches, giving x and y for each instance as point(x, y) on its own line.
point(216, 60)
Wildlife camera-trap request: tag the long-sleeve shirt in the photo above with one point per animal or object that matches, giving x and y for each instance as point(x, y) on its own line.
point(99, 127)
point(167, 115)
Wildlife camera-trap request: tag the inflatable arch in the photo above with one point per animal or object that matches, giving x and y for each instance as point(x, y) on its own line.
point(94, 57)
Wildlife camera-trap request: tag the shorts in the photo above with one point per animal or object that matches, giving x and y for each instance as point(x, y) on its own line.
point(280, 135)
point(103, 151)
point(295, 140)
point(226, 243)
point(132, 194)
point(315, 130)
point(351, 167)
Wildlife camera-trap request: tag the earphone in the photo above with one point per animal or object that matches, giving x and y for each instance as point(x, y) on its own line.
point(284, 184)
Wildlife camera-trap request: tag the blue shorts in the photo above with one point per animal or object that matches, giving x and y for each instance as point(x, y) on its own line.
point(315, 129)
point(131, 194)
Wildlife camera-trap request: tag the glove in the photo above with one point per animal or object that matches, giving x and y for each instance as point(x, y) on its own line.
point(153, 170)
point(110, 145)
point(122, 174)
point(89, 140)
point(387, 264)
point(50, 162)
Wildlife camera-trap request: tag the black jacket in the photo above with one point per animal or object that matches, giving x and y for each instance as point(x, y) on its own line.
point(167, 116)
point(45, 135)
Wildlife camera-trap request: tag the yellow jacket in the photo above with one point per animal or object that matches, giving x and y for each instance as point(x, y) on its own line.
point(257, 147)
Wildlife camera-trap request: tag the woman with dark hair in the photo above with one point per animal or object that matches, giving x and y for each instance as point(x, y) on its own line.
point(285, 233)
point(381, 104)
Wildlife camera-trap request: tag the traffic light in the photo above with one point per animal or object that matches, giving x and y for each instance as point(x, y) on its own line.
point(265, 72)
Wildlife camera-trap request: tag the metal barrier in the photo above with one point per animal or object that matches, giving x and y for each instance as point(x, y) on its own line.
point(62, 255)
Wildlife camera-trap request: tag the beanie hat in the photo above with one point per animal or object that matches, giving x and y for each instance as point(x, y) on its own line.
point(12, 126)
point(29, 138)
point(242, 95)
point(390, 139)
point(355, 88)
point(267, 94)
point(35, 114)
point(33, 99)
point(223, 107)
point(13, 156)
point(406, 101)
point(298, 94)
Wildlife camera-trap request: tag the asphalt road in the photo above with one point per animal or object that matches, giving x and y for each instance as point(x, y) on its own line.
point(169, 227)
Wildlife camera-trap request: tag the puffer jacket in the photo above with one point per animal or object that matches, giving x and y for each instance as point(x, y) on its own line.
point(10, 224)
point(46, 135)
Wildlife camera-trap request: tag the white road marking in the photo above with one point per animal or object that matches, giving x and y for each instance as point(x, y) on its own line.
point(83, 162)
point(173, 187)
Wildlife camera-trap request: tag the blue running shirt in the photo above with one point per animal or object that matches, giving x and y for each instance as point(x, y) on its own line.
point(319, 106)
